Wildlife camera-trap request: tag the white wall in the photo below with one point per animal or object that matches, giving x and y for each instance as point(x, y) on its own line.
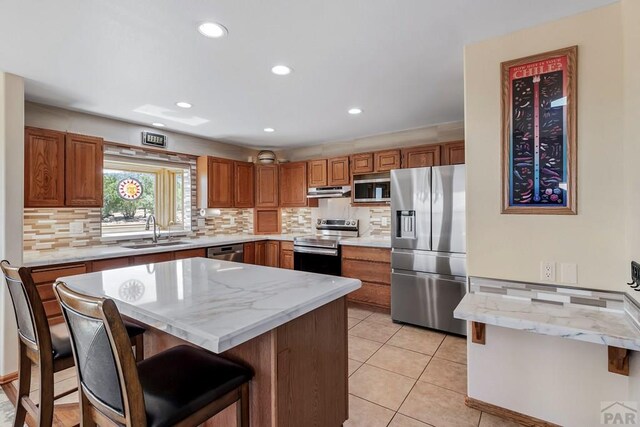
point(631, 150)
point(47, 117)
point(556, 379)
point(551, 378)
point(427, 135)
point(11, 202)
point(512, 246)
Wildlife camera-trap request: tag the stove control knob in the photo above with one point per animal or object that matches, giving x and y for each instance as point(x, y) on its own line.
point(323, 221)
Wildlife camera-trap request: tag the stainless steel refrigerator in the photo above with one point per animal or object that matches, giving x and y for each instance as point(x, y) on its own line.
point(428, 237)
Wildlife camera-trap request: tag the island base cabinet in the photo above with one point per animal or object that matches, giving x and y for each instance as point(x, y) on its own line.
point(300, 370)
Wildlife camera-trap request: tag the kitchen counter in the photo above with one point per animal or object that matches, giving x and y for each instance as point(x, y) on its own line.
point(557, 315)
point(71, 255)
point(372, 242)
point(289, 326)
point(211, 303)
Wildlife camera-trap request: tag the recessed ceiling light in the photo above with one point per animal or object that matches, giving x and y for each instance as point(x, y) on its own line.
point(269, 130)
point(183, 104)
point(158, 124)
point(212, 30)
point(281, 70)
point(355, 110)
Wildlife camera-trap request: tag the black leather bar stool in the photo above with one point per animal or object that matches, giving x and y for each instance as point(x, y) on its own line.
point(182, 386)
point(48, 347)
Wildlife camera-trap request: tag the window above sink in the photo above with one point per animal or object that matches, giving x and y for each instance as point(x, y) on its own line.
point(135, 189)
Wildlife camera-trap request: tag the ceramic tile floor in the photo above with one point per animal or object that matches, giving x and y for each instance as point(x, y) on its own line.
point(405, 376)
point(399, 376)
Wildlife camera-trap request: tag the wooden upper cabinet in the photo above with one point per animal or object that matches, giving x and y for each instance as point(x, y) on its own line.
point(293, 184)
point(317, 173)
point(43, 168)
point(267, 186)
point(83, 171)
point(220, 177)
point(362, 163)
point(338, 171)
point(423, 156)
point(386, 160)
point(244, 183)
point(453, 153)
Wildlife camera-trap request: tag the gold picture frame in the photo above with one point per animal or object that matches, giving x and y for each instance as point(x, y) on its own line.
point(539, 133)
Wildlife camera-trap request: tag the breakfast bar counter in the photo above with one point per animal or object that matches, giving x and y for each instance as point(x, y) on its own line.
point(289, 326)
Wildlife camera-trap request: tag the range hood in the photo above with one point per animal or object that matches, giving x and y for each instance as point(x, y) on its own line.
point(328, 192)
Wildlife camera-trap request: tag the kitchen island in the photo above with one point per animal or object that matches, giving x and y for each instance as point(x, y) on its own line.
point(289, 326)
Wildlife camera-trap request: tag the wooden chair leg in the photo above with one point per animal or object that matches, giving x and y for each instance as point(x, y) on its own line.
point(24, 386)
point(45, 407)
point(139, 343)
point(242, 407)
point(86, 415)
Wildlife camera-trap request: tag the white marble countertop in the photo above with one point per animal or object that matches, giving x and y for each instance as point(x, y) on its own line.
point(591, 324)
point(64, 256)
point(213, 304)
point(373, 242)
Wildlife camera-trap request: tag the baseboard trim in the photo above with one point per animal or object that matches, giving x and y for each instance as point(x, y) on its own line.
point(508, 414)
point(6, 379)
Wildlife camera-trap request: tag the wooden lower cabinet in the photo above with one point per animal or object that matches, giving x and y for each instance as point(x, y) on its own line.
point(44, 277)
point(272, 254)
point(286, 255)
point(373, 267)
point(261, 253)
point(152, 258)
point(109, 264)
point(190, 253)
point(249, 253)
point(300, 370)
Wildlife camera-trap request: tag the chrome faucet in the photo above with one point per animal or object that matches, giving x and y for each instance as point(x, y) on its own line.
point(156, 229)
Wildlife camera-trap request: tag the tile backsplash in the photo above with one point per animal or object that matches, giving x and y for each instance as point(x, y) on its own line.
point(374, 220)
point(50, 229)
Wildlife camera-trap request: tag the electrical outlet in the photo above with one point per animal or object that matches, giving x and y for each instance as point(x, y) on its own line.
point(300, 219)
point(384, 221)
point(232, 220)
point(548, 271)
point(200, 222)
point(76, 227)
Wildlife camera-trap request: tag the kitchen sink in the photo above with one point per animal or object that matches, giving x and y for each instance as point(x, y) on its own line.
point(146, 245)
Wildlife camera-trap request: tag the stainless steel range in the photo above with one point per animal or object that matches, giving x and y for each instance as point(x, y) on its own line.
point(320, 253)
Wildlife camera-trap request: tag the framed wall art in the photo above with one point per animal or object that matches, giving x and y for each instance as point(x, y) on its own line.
point(539, 158)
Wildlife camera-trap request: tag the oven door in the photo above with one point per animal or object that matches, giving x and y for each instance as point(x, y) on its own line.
point(317, 260)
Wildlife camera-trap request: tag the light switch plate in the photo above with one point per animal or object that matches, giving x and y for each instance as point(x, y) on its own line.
point(569, 272)
point(300, 219)
point(200, 222)
point(76, 227)
point(232, 220)
point(384, 221)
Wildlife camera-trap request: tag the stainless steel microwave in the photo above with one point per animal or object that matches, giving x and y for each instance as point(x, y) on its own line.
point(375, 188)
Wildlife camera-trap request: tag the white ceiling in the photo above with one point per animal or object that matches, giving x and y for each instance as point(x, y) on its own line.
point(400, 61)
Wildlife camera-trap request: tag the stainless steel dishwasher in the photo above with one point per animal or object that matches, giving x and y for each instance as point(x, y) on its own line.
point(228, 252)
